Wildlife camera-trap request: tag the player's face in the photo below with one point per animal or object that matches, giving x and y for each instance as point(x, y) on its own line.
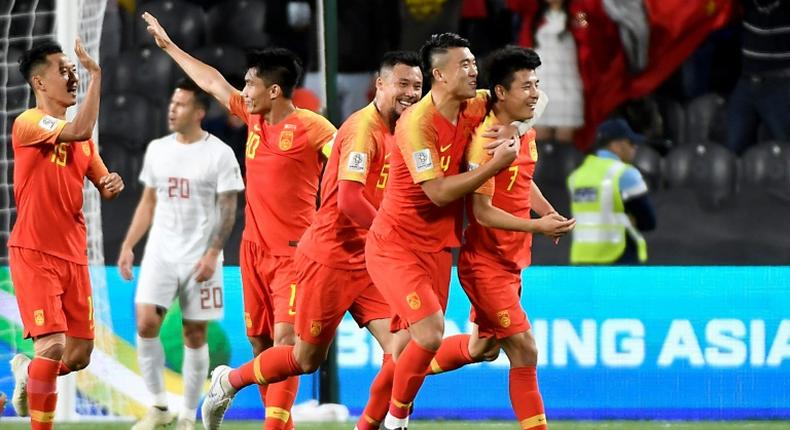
point(256, 94)
point(398, 88)
point(459, 71)
point(183, 113)
point(520, 99)
point(59, 79)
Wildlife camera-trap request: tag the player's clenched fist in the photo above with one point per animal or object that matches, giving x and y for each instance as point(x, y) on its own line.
point(111, 185)
point(155, 29)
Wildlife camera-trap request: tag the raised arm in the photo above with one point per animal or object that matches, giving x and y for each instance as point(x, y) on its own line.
point(205, 76)
point(141, 222)
point(81, 127)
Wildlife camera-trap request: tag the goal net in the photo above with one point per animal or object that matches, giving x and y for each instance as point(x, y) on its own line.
point(89, 394)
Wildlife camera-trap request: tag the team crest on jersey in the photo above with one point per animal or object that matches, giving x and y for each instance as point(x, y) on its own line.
point(86, 148)
point(533, 150)
point(38, 317)
point(504, 318)
point(413, 300)
point(247, 319)
point(315, 328)
point(286, 140)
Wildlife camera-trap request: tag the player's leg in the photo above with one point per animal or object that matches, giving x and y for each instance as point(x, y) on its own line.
point(524, 392)
point(156, 288)
point(415, 286)
point(46, 296)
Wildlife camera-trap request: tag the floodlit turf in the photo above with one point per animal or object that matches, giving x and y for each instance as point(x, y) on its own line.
point(6, 424)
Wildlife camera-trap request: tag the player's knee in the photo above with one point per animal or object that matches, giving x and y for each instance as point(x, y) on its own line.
point(50, 346)
point(430, 340)
point(195, 335)
point(148, 327)
point(259, 344)
point(79, 357)
point(285, 339)
point(489, 354)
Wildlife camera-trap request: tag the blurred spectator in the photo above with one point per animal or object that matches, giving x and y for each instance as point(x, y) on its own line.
point(422, 18)
point(304, 98)
point(610, 201)
point(487, 24)
point(559, 71)
point(762, 93)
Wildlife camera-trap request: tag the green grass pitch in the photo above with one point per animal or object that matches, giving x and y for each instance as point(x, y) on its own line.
point(477, 425)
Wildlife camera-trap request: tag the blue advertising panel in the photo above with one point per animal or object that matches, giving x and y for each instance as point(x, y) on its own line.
point(614, 342)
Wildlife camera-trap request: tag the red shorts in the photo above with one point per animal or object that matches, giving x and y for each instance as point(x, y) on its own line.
point(269, 285)
point(53, 294)
point(325, 294)
point(414, 283)
point(495, 293)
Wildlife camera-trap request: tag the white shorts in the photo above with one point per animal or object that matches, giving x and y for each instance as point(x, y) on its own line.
point(161, 282)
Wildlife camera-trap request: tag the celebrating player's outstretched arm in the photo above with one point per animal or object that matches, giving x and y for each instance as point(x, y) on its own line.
point(81, 127)
point(205, 76)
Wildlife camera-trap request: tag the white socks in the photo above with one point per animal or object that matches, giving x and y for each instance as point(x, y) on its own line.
point(391, 422)
point(195, 372)
point(151, 358)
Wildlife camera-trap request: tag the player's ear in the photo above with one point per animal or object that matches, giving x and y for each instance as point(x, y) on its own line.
point(437, 74)
point(275, 91)
point(499, 90)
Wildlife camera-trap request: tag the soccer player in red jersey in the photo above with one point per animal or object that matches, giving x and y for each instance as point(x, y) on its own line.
point(48, 244)
point(285, 152)
point(407, 249)
point(498, 240)
point(331, 254)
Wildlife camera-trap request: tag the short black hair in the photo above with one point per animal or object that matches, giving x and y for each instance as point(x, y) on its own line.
point(393, 58)
point(276, 66)
point(36, 56)
point(503, 63)
point(202, 99)
point(439, 44)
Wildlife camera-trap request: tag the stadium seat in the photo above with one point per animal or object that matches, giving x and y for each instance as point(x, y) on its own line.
point(146, 71)
point(555, 162)
point(185, 23)
point(701, 114)
point(674, 118)
point(767, 166)
point(709, 169)
point(239, 23)
point(228, 59)
point(128, 118)
point(648, 161)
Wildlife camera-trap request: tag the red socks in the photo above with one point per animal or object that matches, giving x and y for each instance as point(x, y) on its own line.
point(453, 354)
point(273, 365)
point(280, 399)
point(380, 392)
point(409, 375)
point(526, 399)
point(41, 392)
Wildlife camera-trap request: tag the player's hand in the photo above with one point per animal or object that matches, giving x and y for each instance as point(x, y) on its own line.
point(125, 261)
point(112, 184)
point(555, 225)
point(501, 131)
point(155, 29)
point(505, 152)
point(87, 62)
point(205, 267)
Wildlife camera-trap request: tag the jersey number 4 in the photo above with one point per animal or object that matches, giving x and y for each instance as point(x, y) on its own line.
point(178, 187)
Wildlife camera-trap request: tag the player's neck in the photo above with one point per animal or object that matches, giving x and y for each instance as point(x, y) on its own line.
point(191, 135)
point(502, 116)
point(281, 108)
point(446, 103)
point(389, 120)
point(51, 107)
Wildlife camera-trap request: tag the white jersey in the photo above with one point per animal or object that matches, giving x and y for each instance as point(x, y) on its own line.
point(187, 179)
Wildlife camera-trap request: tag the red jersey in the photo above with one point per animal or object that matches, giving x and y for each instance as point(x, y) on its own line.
point(359, 154)
point(511, 190)
point(428, 147)
point(48, 180)
point(284, 163)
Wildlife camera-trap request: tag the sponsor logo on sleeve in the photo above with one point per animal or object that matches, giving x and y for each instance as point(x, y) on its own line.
point(357, 162)
point(48, 123)
point(422, 160)
point(473, 166)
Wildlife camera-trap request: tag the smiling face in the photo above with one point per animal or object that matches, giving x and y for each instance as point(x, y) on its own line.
point(57, 80)
point(257, 95)
point(519, 100)
point(458, 72)
point(397, 88)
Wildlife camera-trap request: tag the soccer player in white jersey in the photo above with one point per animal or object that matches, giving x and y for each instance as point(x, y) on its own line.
point(191, 180)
